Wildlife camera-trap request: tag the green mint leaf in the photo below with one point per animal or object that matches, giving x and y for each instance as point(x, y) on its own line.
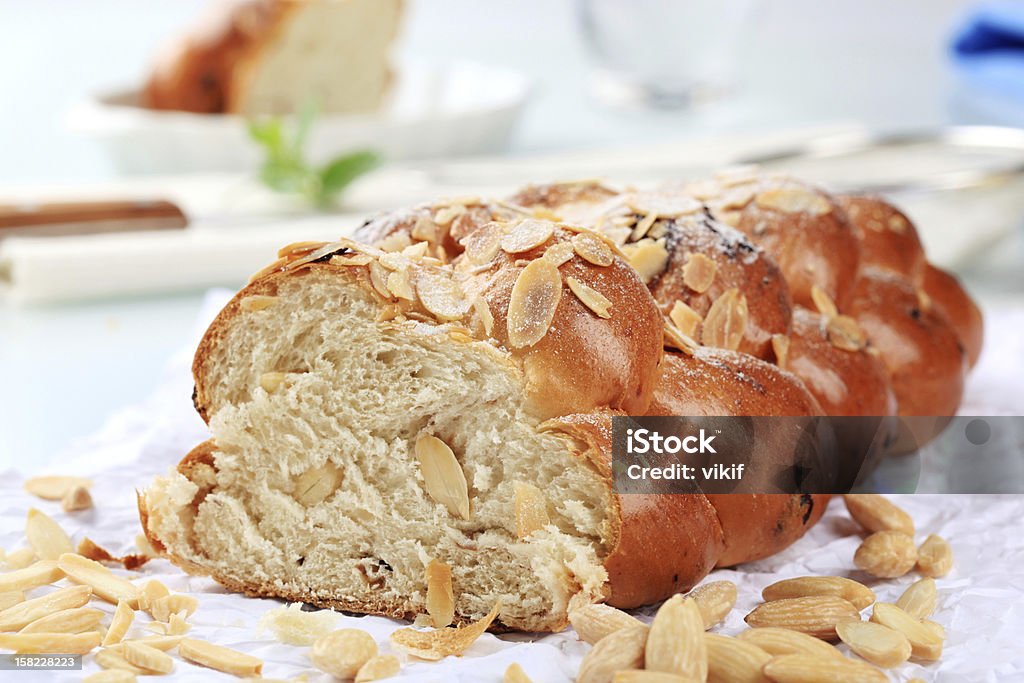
point(337, 174)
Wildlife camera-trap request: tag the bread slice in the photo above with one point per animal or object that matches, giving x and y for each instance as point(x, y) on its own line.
point(270, 57)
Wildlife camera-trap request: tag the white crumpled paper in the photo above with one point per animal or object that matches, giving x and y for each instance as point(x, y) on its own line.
point(981, 603)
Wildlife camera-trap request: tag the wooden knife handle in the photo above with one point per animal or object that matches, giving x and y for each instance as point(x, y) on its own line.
point(76, 218)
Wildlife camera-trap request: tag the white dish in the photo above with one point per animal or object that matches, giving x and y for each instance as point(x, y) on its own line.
point(444, 110)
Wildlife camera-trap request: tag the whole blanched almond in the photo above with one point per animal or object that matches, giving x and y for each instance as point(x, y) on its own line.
point(675, 643)
point(593, 622)
point(934, 557)
point(875, 513)
point(880, 645)
point(734, 661)
point(714, 600)
point(815, 615)
point(623, 649)
point(924, 642)
point(886, 554)
point(857, 593)
point(919, 599)
point(783, 641)
point(805, 669)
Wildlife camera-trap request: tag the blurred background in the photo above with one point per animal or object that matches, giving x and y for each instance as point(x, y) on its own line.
point(478, 97)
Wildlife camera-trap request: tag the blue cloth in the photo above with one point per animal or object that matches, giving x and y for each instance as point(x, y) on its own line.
point(988, 49)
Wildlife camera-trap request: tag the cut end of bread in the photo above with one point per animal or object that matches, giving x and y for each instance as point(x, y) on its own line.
point(350, 452)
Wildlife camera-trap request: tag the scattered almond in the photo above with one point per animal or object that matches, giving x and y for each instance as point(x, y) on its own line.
point(22, 614)
point(919, 599)
point(21, 558)
point(815, 615)
point(110, 676)
point(376, 668)
point(857, 593)
point(441, 295)
point(74, 620)
point(845, 333)
point(641, 676)
point(622, 649)
point(823, 302)
point(780, 346)
point(443, 477)
point(734, 661)
point(647, 257)
point(515, 674)
point(219, 658)
point(50, 643)
point(714, 600)
point(676, 640)
point(440, 643)
point(876, 513)
point(934, 557)
point(145, 657)
point(924, 642)
point(113, 660)
point(880, 645)
point(152, 591)
point(886, 554)
point(483, 244)
point(783, 641)
point(293, 626)
point(53, 487)
point(104, 583)
point(594, 621)
point(47, 539)
point(38, 574)
point(10, 599)
point(806, 669)
point(163, 608)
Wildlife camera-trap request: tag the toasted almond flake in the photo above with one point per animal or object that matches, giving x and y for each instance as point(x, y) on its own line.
point(379, 279)
point(590, 297)
point(415, 252)
point(780, 346)
point(726, 321)
point(424, 229)
point(676, 642)
point(219, 658)
point(120, 624)
point(446, 214)
point(73, 620)
point(441, 295)
point(559, 253)
point(395, 242)
point(76, 499)
point(145, 657)
point(52, 487)
point(647, 257)
point(663, 204)
point(845, 333)
point(401, 285)
point(47, 538)
point(274, 267)
point(314, 485)
point(592, 248)
point(643, 226)
point(793, 200)
point(484, 243)
point(351, 260)
point(531, 509)
point(738, 175)
point(163, 608)
point(21, 558)
point(10, 599)
point(699, 272)
point(677, 340)
point(22, 614)
point(823, 302)
point(377, 668)
point(104, 583)
point(734, 199)
point(393, 261)
point(685, 318)
point(299, 248)
point(271, 381)
point(33, 576)
point(443, 477)
point(483, 311)
point(533, 303)
point(526, 235)
point(440, 595)
point(440, 643)
point(50, 643)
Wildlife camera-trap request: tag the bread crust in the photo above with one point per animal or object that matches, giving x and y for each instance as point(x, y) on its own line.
point(952, 303)
point(888, 239)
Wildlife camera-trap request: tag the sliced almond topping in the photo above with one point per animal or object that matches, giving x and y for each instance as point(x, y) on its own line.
point(726, 321)
point(441, 295)
point(424, 229)
point(780, 346)
point(440, 595)
point(823, 302)
point(447, 214)
point(401, 285)
point(533, 303)
point(592, 249)
point(590, 297)
point(379, 279)
point(531, 509)
point(898, 223)
point(643, 226)
point(314, 485)
point(845, 333)
point(648, 257)
point(47, 538)
point(730, 218)
point(77, 498)
point(393, 261)
point(299, 248)
point(924, 301)
point(526, 235)
point(440, 643)
point(685, 318)
point(415, 252)
point(443, 477)
point(483, 244)
point(677, 340)
point(793, 200)
point(51, 487)
point(559, 253)
point(396, 241)
point(271, 381)
point(351, 260)
point(483, 311)
point(663, 204)
point(699, 272)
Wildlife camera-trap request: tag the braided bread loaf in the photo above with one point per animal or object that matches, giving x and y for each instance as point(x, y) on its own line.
point(447, 395)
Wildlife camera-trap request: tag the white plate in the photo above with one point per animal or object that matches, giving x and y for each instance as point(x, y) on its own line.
point(445, 110)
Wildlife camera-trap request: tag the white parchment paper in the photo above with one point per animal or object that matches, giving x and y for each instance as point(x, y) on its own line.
point(981, 603)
